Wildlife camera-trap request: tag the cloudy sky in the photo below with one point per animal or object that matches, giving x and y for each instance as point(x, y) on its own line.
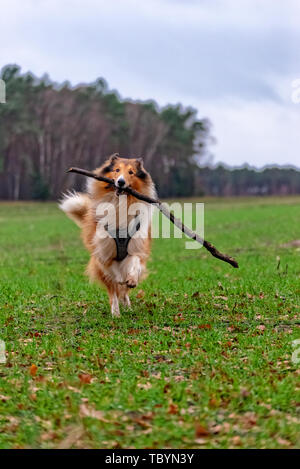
point(235, 61)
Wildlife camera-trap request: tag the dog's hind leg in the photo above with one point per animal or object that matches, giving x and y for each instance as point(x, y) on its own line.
point(123, 296)
point(114, 301)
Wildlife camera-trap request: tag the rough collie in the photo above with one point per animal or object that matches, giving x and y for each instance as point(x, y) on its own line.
point(116, 228)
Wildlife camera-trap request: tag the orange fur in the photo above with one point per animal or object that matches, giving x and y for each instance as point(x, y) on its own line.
point(117, 276)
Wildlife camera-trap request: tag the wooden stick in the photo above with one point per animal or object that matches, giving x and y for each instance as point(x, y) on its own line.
point(177, 222)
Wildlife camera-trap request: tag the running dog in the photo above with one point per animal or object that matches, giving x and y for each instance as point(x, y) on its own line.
point(116, 228)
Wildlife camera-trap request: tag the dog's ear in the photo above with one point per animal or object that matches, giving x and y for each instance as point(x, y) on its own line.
point(113, 157)
point(140, 171)
point(109, 165)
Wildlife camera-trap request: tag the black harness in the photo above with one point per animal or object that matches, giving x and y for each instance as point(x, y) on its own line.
point(122, 236)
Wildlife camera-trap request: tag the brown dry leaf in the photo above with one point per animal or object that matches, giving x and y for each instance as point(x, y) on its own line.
point(41, 379)
point(194, 375)
point(261, 327)
point(216, 429)
point(140, 294)
point(148, 416)
point(229, 344)
point(145, 386)
point(173, 409)
point(143, 423)
point(244, 393)
point(179, 378)
point(226, 427)
point(71, 388)
point(13, 423)
point(4, 398)
point(283, 442)
point(48, 436)
point(74, 434)
point(85, 378)
point(236, 440)
point(200, 430)
point(86, 411)
point(249, 419)
point(33, 369)
point(204, 326)
point(200, 441)
point(179, 317)
point(147, 431)
point(133, 331)
point(166, 388)
point(213, 402)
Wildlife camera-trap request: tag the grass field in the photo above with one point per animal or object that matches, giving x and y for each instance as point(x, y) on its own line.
point(203, 359)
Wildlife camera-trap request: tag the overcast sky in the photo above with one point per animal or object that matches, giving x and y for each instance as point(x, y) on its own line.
point(233, 60)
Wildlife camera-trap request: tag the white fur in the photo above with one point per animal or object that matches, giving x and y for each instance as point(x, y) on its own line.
point(128, 271)
point(115, 310)
point(71, 203)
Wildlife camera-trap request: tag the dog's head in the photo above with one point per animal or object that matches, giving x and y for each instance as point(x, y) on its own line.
point(126, 172)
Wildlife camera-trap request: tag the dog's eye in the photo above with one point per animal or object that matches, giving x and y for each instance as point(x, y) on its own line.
point(130, 172)
point(117, 170)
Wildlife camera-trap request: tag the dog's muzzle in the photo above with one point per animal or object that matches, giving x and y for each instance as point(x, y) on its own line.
point(120, 182)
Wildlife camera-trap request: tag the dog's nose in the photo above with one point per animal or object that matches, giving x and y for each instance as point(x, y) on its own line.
point(121, 182)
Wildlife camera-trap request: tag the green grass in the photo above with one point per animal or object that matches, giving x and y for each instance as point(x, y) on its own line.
point(203, 359)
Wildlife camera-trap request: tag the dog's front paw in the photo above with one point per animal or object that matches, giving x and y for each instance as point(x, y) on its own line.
point(131, 282)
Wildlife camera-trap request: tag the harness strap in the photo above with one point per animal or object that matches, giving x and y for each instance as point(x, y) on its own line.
point(122, 238)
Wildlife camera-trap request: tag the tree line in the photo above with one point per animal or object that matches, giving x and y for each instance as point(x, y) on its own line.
point(221, 181)
point(47, 127)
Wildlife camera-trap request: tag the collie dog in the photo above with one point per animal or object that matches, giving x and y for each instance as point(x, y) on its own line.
point(116, 227)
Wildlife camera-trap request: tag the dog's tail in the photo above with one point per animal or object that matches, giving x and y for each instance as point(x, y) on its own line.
point(75, 205)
